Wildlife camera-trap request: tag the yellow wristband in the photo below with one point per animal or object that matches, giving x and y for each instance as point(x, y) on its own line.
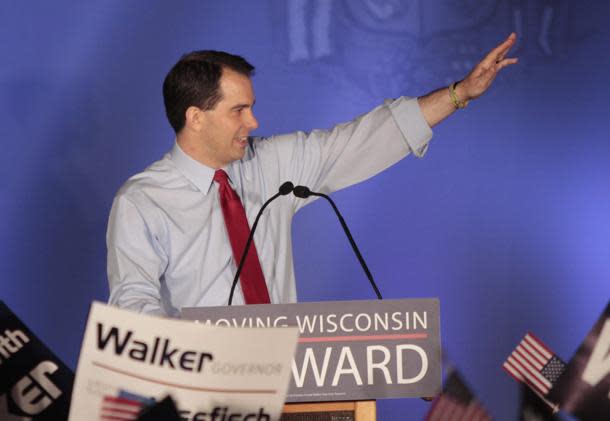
point(454, 99)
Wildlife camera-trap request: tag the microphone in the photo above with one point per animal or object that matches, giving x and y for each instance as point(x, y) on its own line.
point(284, 189)
point(303, 192)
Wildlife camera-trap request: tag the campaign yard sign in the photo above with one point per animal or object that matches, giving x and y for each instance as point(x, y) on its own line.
point(34, 383)
point(129, 361)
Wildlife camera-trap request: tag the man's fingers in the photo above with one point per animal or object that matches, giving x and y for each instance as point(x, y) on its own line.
point(481, 77)
point(498, 53)
point(506, 62)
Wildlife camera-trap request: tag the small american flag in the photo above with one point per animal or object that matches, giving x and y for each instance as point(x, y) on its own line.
point(534, 364)
point(456, 403)
point(120, 409)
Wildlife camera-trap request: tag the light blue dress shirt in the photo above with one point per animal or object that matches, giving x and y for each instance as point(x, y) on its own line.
point(167, 242)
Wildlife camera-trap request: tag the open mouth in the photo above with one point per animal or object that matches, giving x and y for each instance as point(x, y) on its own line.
point(242, 141)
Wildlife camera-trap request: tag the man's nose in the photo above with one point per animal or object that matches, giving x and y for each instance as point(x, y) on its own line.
point(251, 121)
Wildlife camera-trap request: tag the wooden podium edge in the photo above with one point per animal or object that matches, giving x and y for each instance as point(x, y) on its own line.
point(363, 410)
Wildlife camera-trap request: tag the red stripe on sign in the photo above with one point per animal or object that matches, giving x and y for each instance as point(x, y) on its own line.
point(364, 338)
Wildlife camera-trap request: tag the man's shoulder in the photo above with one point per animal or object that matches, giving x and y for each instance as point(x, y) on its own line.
point(158, 175)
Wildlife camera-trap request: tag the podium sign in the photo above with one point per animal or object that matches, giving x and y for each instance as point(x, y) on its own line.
point(350, 350)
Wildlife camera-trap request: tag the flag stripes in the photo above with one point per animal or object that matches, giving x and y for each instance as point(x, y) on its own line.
point(120, 409)
point(534, 364)
point(456, 403)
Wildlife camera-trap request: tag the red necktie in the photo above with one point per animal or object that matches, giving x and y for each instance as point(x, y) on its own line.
point(251, 279)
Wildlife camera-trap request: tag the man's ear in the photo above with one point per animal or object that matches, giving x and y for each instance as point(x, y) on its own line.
point(194, 118)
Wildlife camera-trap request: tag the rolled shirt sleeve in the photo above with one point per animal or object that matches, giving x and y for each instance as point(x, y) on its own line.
point(412, 124)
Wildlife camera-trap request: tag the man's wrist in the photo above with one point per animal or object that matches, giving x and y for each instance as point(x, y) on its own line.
point(458, 95)
point(461, 92)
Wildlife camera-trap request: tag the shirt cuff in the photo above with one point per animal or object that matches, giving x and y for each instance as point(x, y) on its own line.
point(410, 119)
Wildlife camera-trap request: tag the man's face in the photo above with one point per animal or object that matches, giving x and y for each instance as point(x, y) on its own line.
point(224, 137)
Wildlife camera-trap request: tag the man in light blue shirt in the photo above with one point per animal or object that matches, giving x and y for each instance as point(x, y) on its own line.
point(167, 243)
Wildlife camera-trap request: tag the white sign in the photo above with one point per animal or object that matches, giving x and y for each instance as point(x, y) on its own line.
point(210, 372)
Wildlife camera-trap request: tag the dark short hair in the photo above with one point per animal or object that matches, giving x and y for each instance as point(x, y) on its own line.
point(195, 81)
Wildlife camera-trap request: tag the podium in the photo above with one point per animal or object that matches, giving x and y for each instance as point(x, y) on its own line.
point(330, 411)
point(349, 354)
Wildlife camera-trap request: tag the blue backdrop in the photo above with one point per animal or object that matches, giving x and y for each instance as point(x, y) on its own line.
point(505, 219)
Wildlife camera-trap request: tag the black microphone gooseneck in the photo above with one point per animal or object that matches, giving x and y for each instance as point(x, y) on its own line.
point(303, 192)
point(284, 189)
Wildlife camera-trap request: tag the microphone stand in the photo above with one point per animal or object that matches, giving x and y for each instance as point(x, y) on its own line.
point(304, 192)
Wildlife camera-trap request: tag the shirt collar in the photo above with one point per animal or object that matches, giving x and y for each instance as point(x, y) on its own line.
point(200, 175)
